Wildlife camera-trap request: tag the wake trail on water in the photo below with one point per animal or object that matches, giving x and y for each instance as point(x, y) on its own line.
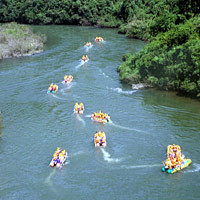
point(81, 63)
point(197, 168)
point(79, 118)
point(57, 97)
point(49, 181)
point(88, 116)
point(77, 153)
point(140, 166)
point(126, 128)
point(107, 157)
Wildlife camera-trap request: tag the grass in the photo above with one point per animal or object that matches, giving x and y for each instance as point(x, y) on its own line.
point(19, 40)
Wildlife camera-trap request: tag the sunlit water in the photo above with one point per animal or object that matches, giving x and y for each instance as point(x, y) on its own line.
point(144, 122)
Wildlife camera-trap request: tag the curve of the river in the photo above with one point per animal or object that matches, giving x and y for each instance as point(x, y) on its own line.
point(144, 123)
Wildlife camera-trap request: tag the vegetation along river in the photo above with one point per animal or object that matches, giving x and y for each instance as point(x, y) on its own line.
point(144, 122)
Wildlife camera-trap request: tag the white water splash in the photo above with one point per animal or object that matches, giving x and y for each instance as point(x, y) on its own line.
point(140, 166)
point(120, 91)
point(105, 75)
point(80, 119)
point(126, 128)
point(107, 157)
point(197, 168)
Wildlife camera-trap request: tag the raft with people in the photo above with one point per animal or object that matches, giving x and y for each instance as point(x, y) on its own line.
point(99, 139)
point(59, 158)
point(101, 117)
point(98, 39)
point(88, 44)
point(53, 88)
point(175, 161)
point(85, 58)
point(78, 108)
point(67, 79)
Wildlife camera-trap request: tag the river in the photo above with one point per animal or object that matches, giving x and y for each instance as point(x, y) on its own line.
point(144, 123)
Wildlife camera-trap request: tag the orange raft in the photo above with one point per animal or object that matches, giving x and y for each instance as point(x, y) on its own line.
point(101, 117)
point(98, 39)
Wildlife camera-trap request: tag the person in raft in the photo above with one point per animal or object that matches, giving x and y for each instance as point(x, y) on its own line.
point(58, 158)
point(175, 157)
point(100, 139)
point(68, 78)
point(84, 58)
point(88, 44)
point(53, 88)
point(102, 116)
point(78, 108)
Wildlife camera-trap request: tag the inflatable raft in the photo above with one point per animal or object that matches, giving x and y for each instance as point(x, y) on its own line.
point(97, 119)
point(53, 89)
point(67, 79)
point(175, 160)
point(99, 139)
point(59, 158)
point(79, 108)
point(98, 39)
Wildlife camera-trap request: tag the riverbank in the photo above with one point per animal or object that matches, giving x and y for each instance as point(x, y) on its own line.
point(18, 40)
point(170, 62)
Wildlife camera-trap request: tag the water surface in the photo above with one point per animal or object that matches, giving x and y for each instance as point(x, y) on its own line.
point(144, 123)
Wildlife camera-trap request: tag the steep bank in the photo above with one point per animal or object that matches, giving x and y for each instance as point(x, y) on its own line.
point(19, 40)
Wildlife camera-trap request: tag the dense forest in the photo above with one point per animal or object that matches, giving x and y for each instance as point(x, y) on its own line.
point(170, 61)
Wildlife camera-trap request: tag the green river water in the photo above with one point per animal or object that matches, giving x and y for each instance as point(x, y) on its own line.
point(144, 123)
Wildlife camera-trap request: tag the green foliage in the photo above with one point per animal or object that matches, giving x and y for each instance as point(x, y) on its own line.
point(171, 61)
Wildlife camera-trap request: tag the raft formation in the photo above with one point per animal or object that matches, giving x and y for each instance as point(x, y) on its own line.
point(175, 161)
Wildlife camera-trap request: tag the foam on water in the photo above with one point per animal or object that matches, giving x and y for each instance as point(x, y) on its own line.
point(197, 168)
point(120, 91)
point(107, 157)
point(88, 116)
